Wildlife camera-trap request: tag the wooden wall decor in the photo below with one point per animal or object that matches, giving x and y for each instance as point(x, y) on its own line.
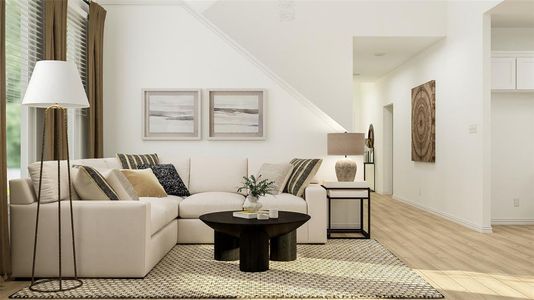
point(424, 122)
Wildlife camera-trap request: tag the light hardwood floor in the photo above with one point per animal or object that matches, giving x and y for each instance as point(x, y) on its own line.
point(459, 262)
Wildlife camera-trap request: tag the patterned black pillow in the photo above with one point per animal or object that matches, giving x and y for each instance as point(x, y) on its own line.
point(169, 178)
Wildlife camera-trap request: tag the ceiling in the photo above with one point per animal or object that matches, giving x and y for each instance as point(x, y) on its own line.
point(513, 13)
point(373, 57)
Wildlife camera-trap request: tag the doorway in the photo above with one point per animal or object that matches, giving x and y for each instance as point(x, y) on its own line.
point(388, 150)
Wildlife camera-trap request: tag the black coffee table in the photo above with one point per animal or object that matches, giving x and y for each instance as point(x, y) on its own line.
point(248, 239)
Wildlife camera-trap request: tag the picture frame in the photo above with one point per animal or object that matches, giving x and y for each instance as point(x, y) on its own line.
point(236, 114)
point(172, 114)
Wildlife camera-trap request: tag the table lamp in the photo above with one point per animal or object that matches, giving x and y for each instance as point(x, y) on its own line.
point(55, 85)
point(345, 144)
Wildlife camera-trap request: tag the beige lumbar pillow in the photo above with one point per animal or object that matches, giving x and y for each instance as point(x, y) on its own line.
point(120, 184)
point(49, 185)
point(91, 185)
point(277, 173)
point(144, 183)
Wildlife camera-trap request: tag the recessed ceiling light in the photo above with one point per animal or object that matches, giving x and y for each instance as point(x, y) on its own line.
point(380, 54)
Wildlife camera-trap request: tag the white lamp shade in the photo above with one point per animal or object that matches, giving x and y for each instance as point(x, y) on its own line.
point(55, 82)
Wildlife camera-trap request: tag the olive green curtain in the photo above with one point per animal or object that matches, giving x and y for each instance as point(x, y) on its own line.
point(95, 130)
point(5, 257)
point(55, 48)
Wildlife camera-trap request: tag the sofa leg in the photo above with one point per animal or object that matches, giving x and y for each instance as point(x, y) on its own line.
point(226, 247)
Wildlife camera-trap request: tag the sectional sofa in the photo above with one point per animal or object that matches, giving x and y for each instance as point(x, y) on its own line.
point(126, 239)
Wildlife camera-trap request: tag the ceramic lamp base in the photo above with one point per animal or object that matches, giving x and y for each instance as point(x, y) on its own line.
point(345, 170)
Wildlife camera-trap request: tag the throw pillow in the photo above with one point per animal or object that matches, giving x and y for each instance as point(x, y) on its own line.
point(145, 183)
point(49, 185)
point(169, 178)
point(131, 161)
point(303, 172)
point(278, 173)
point(91, 185)
point(120, 184)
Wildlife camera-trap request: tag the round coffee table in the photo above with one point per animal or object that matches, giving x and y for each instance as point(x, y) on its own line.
point(248, 239)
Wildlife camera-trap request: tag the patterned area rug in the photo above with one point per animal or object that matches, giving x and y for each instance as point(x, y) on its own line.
point(339, 269)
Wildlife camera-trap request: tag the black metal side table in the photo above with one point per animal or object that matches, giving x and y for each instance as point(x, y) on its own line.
point(358, 191)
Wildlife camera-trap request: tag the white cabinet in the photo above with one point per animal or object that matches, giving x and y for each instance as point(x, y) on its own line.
point(503, 73)
point(525, 73)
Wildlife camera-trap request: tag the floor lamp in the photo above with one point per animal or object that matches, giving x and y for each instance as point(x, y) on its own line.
point(56, 86)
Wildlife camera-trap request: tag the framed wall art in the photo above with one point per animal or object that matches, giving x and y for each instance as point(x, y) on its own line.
point(172, 114)
point(237, 114)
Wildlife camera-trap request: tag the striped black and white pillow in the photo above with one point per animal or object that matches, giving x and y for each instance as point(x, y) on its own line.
point(91, 185)
point(131, 161)
point(303, 172)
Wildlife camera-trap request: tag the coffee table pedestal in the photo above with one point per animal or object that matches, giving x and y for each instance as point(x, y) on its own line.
point(253, 242)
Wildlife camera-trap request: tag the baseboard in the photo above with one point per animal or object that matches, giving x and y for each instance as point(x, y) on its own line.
point(512, 221)
point(465, 223)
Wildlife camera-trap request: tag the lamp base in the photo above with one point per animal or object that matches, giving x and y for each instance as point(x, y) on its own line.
point(346, 170)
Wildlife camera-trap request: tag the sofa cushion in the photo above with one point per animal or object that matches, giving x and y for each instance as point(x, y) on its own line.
point(278, 174)
point(49, 182)
point(303, 172)
point(130, 161)
point(91, 185)
point(202, 203)
point(285, 202)
point(169, 178)
point(181, 165)
point(101, 164)
point(144, 183)
point(162, 211)
point(216, 174)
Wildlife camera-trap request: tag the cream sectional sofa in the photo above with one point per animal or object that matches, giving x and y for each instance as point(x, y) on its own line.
point(127, 239)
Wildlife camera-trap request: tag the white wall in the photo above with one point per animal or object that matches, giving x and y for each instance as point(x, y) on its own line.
point(312, 51)
point(164, 46)
point(512, 39)
point(512, 142)
point(454, 185)
point(513, 158)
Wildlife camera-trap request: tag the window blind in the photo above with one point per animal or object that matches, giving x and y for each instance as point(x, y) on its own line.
point(24, 47)
point(24, 44)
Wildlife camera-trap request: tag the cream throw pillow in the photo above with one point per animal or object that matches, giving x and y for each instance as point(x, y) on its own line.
point(49, 186)
point(278, 173)
point(120, 184)
point(144, 183)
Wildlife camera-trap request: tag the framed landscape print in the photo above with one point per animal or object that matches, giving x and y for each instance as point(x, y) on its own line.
point(424, 122)
point(236, 114)
point(171, 114)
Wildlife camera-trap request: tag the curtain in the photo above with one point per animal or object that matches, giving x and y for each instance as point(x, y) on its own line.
point(55, 45)
point(95, 36)
point(5, 258)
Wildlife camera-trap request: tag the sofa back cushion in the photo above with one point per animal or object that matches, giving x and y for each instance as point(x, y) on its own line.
point(100, 164)
point(216, 174)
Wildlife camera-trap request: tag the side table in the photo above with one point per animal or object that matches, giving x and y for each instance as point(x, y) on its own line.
point(356, 190)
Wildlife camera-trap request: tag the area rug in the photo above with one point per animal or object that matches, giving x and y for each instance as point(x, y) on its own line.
point(339, 269)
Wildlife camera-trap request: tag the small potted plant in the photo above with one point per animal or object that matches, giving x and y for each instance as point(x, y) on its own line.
point(255, 188)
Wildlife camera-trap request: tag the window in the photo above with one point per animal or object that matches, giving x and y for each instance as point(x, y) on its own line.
point(24, 44)
point(24, 47)
point(77, 52)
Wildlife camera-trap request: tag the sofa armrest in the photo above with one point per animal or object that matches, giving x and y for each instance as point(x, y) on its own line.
point(111, 238)
point(21, 191)
point(315, 196)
